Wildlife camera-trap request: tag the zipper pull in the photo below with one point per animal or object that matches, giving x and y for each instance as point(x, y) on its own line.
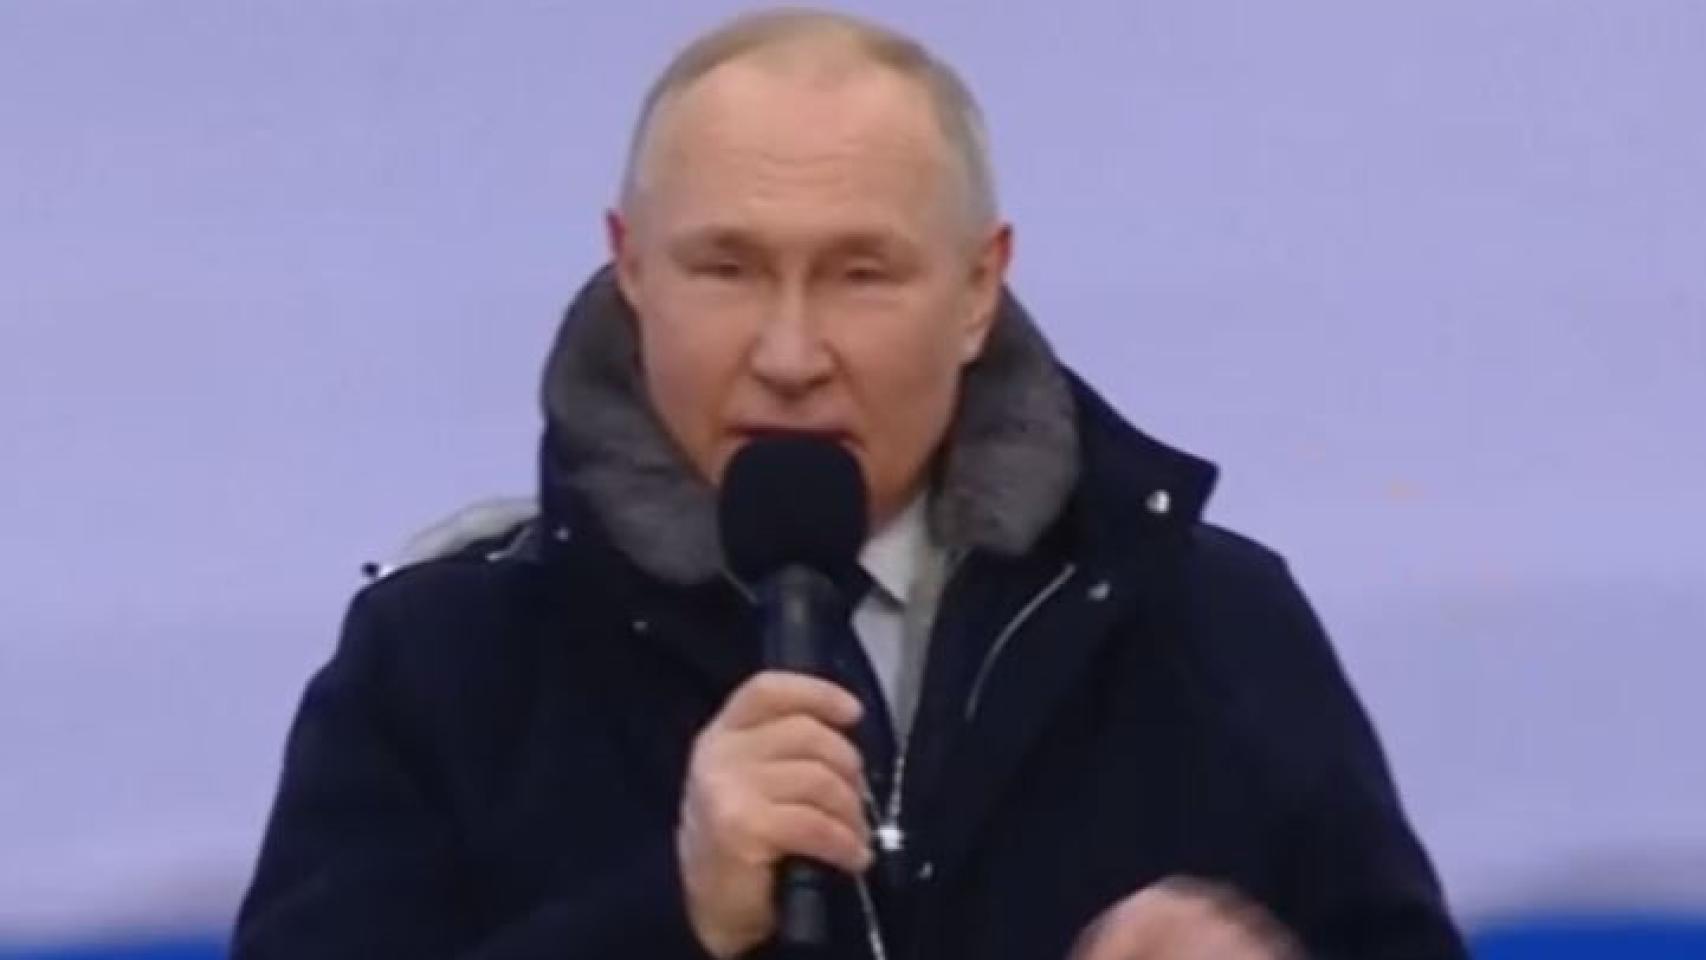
point(891, 838)
point(891, 860)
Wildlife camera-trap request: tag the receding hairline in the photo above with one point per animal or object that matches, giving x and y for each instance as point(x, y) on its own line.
point(854, 42)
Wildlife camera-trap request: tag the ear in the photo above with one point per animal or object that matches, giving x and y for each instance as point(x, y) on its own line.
point(988, 278)
point(618, 234)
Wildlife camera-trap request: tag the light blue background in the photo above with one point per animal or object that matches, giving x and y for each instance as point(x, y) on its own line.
point(1428, 279)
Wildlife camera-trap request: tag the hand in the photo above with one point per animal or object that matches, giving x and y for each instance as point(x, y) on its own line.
point(1184, 920)
point(772, 776)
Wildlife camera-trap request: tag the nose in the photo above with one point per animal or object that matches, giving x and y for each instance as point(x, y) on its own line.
point(790, 356)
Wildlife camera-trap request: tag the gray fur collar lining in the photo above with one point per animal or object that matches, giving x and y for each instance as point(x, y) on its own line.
point(1006, 468)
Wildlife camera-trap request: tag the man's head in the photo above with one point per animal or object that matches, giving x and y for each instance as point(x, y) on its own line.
point(808, 235)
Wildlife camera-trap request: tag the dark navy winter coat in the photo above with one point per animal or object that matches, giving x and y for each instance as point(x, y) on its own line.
point(490, 765)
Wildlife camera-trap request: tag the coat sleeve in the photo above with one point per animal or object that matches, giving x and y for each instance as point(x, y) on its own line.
point(1355, 881)
point(362, 858)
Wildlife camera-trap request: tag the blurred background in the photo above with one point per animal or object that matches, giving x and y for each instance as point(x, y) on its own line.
point(1427, 279)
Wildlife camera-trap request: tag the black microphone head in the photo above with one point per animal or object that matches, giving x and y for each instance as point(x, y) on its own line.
point(792, 499)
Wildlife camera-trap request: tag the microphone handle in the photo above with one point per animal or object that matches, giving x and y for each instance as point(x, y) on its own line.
point(802, 904)
point(799, 605)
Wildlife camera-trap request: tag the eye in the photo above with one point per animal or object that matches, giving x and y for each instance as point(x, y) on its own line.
point(865, 273)
point(727, 270)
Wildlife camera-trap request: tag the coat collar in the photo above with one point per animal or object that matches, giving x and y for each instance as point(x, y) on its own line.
point(1031, 445)
point(1133, 488)
point(1006, 468)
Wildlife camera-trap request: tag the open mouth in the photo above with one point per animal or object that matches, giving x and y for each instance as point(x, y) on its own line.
point(766, 433)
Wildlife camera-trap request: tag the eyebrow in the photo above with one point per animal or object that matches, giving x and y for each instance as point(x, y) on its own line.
point(872, 244)
point(734, 240)
point(721, 239)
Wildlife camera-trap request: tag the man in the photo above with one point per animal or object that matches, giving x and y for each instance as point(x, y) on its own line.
point(1119, 732)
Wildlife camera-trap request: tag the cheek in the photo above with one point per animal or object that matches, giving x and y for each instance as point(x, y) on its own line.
point(906, 356)
point(904, 370)
point(692, 362)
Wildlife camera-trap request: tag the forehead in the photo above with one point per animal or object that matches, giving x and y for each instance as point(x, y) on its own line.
point(785, 152)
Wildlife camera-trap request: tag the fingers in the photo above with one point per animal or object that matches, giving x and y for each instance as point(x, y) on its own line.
point(772, 776)
point(780, 716)
point(799, 810)
point(795, 761)
point(808, 832)
point(777, 693)
point(797, 738)
point(812, 784)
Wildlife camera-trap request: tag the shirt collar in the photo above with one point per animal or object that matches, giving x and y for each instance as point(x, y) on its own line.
point(892, 556)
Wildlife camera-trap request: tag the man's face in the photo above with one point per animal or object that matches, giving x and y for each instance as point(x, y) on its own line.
point(800, 257)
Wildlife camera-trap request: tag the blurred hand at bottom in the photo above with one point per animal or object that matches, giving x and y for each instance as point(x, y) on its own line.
point(1181, 919)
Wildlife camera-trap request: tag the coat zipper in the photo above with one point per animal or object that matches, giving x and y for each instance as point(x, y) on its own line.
point(890, 835)
point(891, 842)
point(1005, 637)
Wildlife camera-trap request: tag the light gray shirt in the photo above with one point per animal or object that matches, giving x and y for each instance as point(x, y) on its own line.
point(893, 620)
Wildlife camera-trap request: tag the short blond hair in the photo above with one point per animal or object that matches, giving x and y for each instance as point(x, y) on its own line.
point(957, 112)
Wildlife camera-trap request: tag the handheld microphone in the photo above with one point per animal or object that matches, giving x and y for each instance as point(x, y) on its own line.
point(792, 516)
